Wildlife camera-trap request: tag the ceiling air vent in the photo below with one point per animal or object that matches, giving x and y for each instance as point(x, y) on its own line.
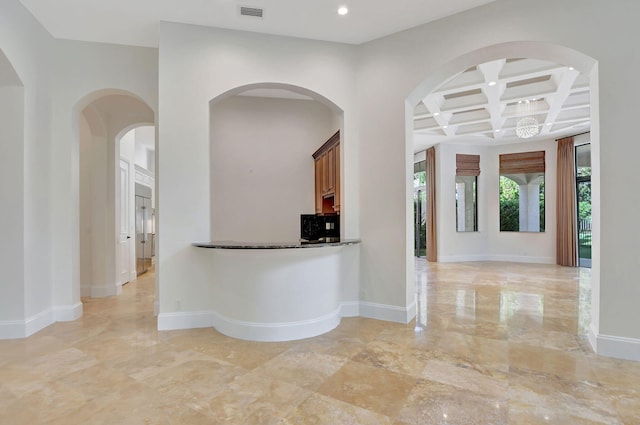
point(251, 11)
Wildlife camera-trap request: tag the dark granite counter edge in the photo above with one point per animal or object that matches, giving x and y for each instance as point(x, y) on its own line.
point(272, 245)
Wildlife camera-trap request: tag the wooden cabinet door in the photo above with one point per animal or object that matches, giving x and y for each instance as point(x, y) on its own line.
point(336, 201)
point(331, 170)
point(324, 159)
point(318, 185)
point(327, 176)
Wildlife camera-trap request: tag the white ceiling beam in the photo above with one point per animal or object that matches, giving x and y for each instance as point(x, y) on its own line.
point(493, 90)
point(434, 102)
point(564, 100)
point(564, 81)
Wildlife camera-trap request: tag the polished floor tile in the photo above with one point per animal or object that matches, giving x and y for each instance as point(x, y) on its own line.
point(492, 343)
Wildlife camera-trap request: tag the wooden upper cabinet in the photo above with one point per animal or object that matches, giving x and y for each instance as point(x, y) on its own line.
point(318, 185)
point(336, 203)
point(327, 176)
point(324, 160)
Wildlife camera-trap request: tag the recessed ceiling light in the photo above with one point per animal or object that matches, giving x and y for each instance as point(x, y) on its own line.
point(435, 114)
point(343, 10)
point(498, 130)
point(549, 123)
point(492, 83)
point(571, 68)
point(445, 126)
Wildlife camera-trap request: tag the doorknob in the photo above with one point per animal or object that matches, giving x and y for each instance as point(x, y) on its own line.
point(128, 237)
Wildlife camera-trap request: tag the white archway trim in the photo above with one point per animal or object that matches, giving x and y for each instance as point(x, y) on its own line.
point(280, 86)
point(106, 282)
point(535, 50)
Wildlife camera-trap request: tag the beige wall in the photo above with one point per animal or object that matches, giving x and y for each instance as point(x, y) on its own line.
point(262, 169)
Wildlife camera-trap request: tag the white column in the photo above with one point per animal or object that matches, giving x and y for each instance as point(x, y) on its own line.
point(533, 193)
point(524, 208)
point(530, 207)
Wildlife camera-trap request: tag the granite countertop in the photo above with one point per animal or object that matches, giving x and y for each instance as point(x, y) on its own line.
point(272, 245)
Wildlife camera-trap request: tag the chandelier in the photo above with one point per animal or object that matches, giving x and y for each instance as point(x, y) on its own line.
point(527, 124)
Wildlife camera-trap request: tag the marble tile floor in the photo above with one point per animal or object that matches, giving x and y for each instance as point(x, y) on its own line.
point(494, 343)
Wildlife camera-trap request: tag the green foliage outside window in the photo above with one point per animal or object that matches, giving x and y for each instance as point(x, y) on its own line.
point(510, 205)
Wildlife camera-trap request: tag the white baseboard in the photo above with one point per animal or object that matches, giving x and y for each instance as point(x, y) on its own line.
point(350, 309)
point(38, 322)
point(411, 312)
point(592, 337)
point(462, 258)
point(13, 329)
point(100, 291)
point(273, 332)
point(266, 332)
point(523, 259)
point(389, 313)
point(67, 313)
point(287, 331)
point(615, 346)
point(496, 258)
point(105, 291)
point(186, 320)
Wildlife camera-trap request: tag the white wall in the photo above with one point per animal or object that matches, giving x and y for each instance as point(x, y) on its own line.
point(85, 153)
point(197, 65)
point(407, 60)
point(462, 246)
point(12, 227)
point(262, 169)
point(489, 243)
point(56, 75)
point(27, 47)
point(523, 246)
point(84, 72)
point(144, 147)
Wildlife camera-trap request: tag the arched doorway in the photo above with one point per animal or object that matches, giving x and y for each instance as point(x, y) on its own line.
point(572, 61)
point(103, 118)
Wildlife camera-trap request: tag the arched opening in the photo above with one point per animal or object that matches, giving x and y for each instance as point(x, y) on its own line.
point(136, 202)
point(573, 69)
point(262, 137)
point(107, 240)
point(12, 193)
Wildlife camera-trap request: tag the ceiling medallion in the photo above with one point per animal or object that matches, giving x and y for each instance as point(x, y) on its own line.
point(527, 125)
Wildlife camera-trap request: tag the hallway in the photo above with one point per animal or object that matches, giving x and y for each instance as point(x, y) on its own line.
point(496, 343)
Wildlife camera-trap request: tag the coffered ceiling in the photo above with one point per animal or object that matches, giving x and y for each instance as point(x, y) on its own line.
point(480, 104)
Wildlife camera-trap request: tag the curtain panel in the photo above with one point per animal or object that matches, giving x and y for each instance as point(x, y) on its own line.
point(567, 234)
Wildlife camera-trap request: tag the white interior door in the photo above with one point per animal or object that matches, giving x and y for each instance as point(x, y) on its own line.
point(124, 242)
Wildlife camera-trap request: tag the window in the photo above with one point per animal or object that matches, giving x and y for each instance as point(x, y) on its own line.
point(420, 208)
point(522, 192)
point(467, 172)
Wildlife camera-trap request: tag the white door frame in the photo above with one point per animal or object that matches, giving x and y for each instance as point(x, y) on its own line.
point(124, 222)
